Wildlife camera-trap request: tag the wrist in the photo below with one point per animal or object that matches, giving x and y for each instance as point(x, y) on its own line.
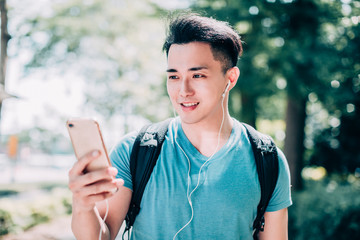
point(79, 208)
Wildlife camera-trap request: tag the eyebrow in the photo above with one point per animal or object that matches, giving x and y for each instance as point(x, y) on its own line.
point(190, 69)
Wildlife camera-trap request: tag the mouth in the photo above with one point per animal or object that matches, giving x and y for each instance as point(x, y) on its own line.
point(189, 104)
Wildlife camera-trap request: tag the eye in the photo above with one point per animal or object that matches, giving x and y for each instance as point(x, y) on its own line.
point(198, 76)
point(173, 77)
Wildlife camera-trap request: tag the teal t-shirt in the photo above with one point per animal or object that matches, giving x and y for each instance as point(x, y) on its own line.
point(224, 205)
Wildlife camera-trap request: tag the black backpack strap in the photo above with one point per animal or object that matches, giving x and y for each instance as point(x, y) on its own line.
point(145, 152)
point(267, 165)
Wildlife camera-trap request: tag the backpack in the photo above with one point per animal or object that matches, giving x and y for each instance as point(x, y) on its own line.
point(147, 147)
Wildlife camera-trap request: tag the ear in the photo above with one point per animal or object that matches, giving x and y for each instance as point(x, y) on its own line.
point(232, 75)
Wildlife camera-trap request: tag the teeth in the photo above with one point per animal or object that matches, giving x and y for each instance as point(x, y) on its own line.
point(189, 104)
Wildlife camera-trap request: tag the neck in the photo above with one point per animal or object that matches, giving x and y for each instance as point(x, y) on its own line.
point(206, 135)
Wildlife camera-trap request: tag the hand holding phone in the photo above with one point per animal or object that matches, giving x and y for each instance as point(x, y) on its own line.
point(86, 137)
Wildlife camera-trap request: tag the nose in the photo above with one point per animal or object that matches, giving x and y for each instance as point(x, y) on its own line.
point(186, 88)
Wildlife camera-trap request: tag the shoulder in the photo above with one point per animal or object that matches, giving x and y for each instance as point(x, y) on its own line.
point(125, 143)
point(283, 163)
point(122, 150)
point(281, 197)
point(120, 157)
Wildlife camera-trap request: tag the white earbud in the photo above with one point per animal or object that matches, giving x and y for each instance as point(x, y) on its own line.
point(226, 88)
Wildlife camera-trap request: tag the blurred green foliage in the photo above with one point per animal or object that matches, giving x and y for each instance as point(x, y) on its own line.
point(40, 203)
point(7, 192)
point(306, 50)
point(336, 147)
point(37, 217)
point(106, 43)
point(327, 209)
point(303, 52)
point(6, 222)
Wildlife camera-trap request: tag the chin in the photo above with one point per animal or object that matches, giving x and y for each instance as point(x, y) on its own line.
point(190, 119)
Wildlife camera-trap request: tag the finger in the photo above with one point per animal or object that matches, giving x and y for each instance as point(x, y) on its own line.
point(93, 199)
point(86, 200)
point(101, 175)
point(103, 187)
point(81, 164)
point(119, 183)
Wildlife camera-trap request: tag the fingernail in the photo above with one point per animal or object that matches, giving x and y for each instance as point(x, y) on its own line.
point(114, 190)
point(113, 171)
point(95, 153)
point(119, 182)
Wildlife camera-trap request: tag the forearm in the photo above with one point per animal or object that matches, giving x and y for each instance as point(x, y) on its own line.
point(88, 189)
point(86, 225)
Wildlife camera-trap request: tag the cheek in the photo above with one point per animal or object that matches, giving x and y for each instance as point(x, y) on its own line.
point(171, 90)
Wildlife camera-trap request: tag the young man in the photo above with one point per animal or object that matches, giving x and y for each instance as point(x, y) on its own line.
point(205, 183)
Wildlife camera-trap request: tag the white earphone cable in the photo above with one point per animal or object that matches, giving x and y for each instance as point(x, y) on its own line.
point(102, 223)
point(198, 180)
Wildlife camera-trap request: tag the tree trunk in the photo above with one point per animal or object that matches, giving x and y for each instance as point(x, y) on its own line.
point(248, 109)
point(294, 141)
point(5, 37)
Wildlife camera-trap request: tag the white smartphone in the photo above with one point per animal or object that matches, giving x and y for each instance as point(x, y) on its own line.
point(86, 137)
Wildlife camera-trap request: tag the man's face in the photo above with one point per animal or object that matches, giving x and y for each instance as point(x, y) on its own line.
point(195, 82)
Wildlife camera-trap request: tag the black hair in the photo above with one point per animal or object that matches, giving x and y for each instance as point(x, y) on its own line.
point(225, 43)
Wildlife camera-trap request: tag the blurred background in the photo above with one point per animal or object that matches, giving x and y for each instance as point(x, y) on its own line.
point(300, 83)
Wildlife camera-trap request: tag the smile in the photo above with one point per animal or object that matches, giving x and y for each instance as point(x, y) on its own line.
point(189, 104)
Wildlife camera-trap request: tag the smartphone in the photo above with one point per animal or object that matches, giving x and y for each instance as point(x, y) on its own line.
point(86, 137)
